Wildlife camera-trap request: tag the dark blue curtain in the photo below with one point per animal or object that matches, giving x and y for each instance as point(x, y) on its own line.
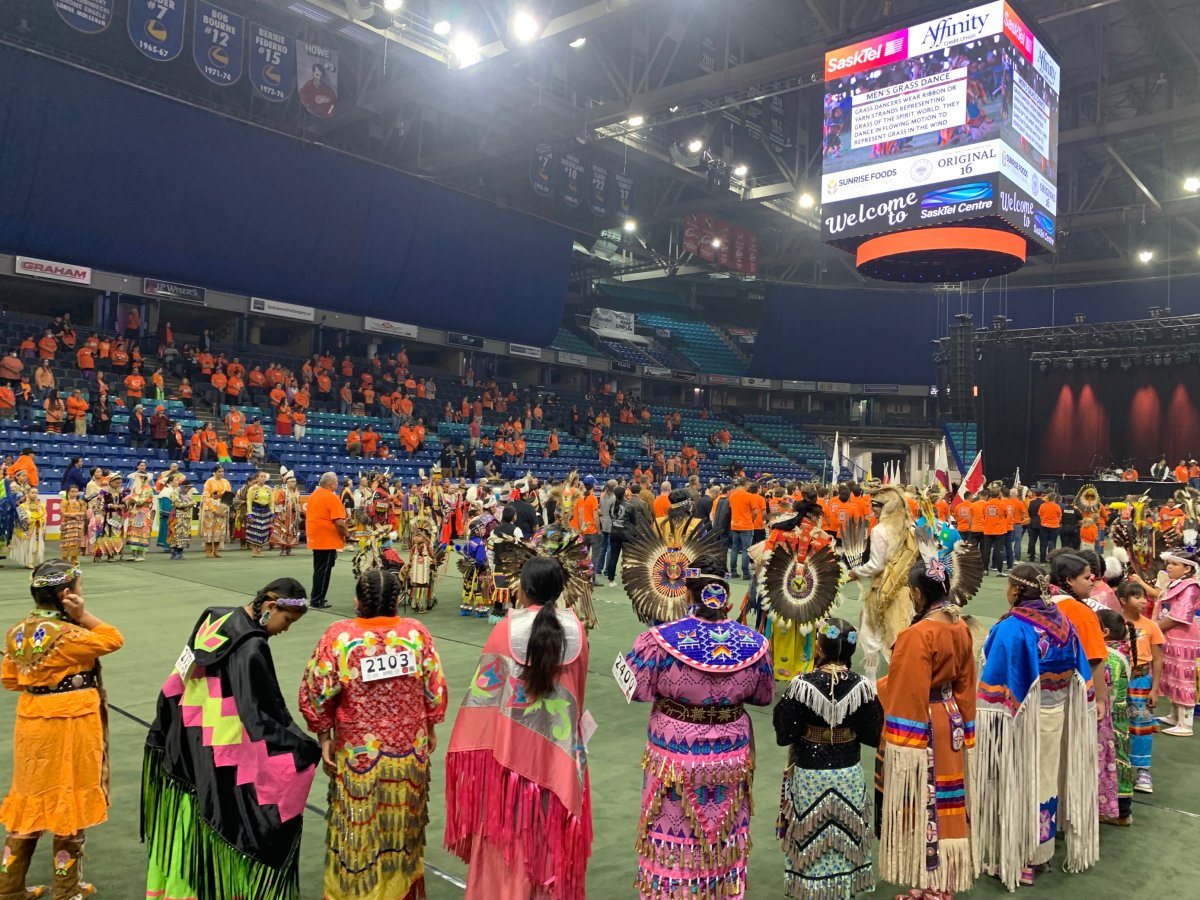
point(97, 173)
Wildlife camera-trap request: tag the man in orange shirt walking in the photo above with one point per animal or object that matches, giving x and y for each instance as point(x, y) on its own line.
point(325, 533)
point(996, 527)
point(1050, 514)
point(586, 520)
point(743, 521)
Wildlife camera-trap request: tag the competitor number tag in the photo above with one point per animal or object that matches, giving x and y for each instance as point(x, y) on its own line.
point(391, 664)
point(186, 660)
point(626, 680)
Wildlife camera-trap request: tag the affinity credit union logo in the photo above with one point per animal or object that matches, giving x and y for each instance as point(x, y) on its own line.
point(866, 55)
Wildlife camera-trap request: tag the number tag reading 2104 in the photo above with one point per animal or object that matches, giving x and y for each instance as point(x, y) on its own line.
point(390, 664)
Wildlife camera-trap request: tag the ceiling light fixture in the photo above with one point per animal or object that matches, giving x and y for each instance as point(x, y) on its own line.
point(740, 171)
point(1144, 256)
point(465, 49)
point(806, 200)
point(630, 226)
point(441, 28)
point(525, 27)
point(578, 42)
point(1191, 183)
point(716, 243)
point(635, 121)
point(392, 5)
point(695, 145)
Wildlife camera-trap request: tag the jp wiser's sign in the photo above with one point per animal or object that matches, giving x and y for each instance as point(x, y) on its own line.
point(53, 271)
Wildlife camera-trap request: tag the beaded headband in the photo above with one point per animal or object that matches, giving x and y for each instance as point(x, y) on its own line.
point(1041, 585)
point(1183, 560)
point(713, 595)
point(293, 602)
point(55, 579)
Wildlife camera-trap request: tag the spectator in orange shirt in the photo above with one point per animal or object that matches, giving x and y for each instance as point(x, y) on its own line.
point(996, 526)
point(519, 450)
point(1181, 472)
point(284, 421)
point(77, 409)
point(85, 358)
point(743, 521)
point(234, 386)
point(345, 399)
point(354, 443)
point(8, 401)
point(195, 447)
point(1018, 517)
point(236, 368)
point(552, 443)
point(240, 447)
point(135, 386)
point(605, 458)
point(1050, 515)
point(119, 358)
point(299, 423)
point(28, 348)
point(185, 393)
point(662, 503)
point(47, 345)
point(370, 442)
point(347, 367)
point(208, 440)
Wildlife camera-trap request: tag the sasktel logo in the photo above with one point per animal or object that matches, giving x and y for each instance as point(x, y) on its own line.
point(866, 55)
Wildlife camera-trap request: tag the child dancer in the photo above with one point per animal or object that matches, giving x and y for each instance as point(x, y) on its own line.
point(1145, 675)
point(29, 531)
point(1177, 619)
point(1116, 772)
point(70, 532)
point(825, 717)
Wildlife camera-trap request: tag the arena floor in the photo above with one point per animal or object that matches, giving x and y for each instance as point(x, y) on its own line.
point(155, 604)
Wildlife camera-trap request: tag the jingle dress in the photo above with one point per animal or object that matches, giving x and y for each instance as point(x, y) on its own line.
point(1115, 769)
point(109, 524)
point(71, 528)
point(139, 517)
point(214, 514)
point(226, 772)
point(179, 526)
point(1180, 603)
point(694, 832)
point(518, 800)
point(285, 527)
point(260, 511)
point(476, 597)
point(28, 546)
point(379, 800)
point(43, 651)
point(1035, 728)
point(929, 739)
point(823, 812)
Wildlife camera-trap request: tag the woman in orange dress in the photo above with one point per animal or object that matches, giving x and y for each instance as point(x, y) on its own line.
point(60, 758)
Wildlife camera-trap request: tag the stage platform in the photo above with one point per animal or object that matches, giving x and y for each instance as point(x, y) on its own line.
point(1069, 486)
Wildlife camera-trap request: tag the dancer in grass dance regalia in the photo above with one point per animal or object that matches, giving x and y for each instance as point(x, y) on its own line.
point(693, 838)
point(226, 772)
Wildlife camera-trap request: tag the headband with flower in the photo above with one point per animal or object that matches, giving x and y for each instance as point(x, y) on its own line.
point(55, 579)
point(832, 632)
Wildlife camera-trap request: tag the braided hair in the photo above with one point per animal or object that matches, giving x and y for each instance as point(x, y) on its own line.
point(280, 587)
point(542, 582)
point(377, 592)
point(1028, 580)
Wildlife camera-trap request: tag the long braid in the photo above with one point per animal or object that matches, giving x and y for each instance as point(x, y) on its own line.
point(378, 592)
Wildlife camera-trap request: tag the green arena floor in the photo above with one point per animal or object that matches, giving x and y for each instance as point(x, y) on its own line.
point(155, 604)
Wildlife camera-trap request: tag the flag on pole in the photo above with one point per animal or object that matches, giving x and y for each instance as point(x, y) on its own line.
point(846, 457)
point(941, 466)
point(973, 481)
point(836, 466)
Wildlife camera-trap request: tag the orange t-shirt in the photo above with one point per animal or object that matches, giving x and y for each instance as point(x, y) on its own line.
point(370, 442)
point(977, 515)
point(662, 505)
point(1089, 533)
point(324, 509)
point(995, 517)
point(1050, 514)
point(962, 517)
point(1087, 626)
point(85, 358)
point(1018, 512)
point(585, 518)
point(741, 510)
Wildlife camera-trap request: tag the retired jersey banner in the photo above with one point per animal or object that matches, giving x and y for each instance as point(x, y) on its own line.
point(316, 71)
point(88, 16)
point(156, 27)
point(572, 180)
point(543, 170)
point(624, 194)
point(598, 190)
point(218, 43)
point(272, 71)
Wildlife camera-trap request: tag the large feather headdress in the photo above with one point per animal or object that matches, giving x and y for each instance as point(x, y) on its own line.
point(653, 572)
point(799, 577)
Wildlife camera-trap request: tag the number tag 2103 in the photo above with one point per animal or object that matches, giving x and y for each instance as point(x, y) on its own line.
point(389, 664)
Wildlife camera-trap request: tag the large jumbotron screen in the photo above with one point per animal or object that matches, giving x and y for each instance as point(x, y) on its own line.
point(950, 119)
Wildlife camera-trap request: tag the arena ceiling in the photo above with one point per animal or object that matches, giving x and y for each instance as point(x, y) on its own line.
point(1129, 125)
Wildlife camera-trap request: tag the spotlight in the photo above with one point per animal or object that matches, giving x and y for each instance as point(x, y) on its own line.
point(465, 49)
point(716, 243)
point(392, 5)
point(630, 226)
point(635, 121)
point(740, 171)
point(578, 42)
point(441, 28)
point(1191, 183)
point(525, 27)
point(673, 109)
point(1144, 256)
point(806, 200)
point(695, 145)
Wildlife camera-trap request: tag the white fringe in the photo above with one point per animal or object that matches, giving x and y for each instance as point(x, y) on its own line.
point(902, 818)
point(834, 713)
point(1077, 801)
point(1004, 805)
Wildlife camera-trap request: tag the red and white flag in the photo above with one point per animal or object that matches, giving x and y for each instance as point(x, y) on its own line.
point(941, 466)
point(973, 481)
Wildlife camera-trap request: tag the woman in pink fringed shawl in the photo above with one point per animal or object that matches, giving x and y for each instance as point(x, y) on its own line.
point(517, 794)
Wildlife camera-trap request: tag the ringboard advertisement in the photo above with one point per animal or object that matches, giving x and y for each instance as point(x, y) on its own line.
point(922, 124)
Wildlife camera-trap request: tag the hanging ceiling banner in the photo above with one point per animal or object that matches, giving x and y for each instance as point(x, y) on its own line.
point(156, 27)
point(543, 170)
point(272, 71)
point(624, 194)
point(88, 16)
point(218, 43)
point(598, 190)
point(572, 180)
point(317, 73)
